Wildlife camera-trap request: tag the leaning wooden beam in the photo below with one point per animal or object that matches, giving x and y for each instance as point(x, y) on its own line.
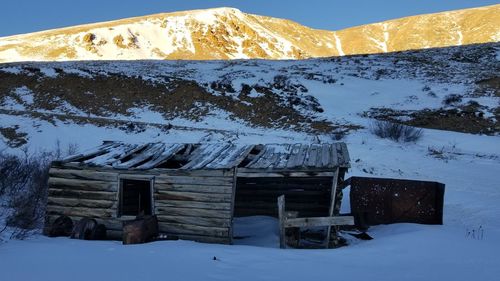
point(230, 158)
point(281, 216)
point(169, 151)
point(332, 203)
point(150, 151)
point(319, 221)
point(110, 156)
point(89, 153)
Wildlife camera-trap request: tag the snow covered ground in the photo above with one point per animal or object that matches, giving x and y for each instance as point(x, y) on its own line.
point(398, 252)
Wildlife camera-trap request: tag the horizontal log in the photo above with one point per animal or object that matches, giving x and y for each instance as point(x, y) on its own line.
point(282, 180)
point(199, 221)
point(274, 213)
point(192, 212)
point(193, 204)
point(293, 198)
point(289, 192)
point(139, 177)
point(82, 194)
point(292, 206)
point(91, 185)
point(83, 174)
point(319, 221)
point(195, 180)
point(76, 202)
point(193, 196)
point(80, 211)
point(176, 228)
point(284, 186)
point(194, 188)
point(179, 173)
point(247, 174)
point(196, 173)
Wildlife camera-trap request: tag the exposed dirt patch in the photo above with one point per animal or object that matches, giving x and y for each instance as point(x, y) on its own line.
point(115, 94)
point(465, 119)
point(13, 136)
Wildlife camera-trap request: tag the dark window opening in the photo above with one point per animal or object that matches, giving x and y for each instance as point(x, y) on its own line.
point(135, 198)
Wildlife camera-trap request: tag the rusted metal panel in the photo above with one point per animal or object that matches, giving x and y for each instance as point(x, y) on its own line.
point(384, 201)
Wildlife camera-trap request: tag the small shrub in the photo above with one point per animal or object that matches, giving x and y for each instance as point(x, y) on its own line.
point(23, 191)
point(395, 131)
point(452, 99)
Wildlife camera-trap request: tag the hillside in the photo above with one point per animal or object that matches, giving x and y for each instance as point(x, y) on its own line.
point(453, 88)
point(227, 33)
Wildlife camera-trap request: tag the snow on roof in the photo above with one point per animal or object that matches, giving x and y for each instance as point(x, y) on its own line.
point(119, 155)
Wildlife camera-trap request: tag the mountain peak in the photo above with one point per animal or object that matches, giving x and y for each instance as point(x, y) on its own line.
point(228, 33)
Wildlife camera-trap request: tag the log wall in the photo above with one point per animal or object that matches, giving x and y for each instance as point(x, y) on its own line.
point(309, 194)
point(84, 193)
point(195, 205)
point(192, 205)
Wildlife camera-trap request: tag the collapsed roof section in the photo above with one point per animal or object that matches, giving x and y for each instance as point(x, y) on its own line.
point(119, 155)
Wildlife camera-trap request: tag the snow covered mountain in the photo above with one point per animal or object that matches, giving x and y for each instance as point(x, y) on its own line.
point(227, 33)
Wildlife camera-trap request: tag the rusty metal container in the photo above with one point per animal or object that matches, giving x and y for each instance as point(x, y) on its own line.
point(384, 201)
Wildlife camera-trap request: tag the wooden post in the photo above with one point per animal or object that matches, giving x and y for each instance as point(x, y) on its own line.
point(281, 216)
point(233, 196)
point(332, 204)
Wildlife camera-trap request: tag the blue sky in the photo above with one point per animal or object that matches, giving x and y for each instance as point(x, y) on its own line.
point(22, 16)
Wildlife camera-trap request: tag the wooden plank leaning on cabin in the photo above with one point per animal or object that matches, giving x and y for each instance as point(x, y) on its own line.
point(281, 217)
point(319, 221)
point(332, 204)
point(233, 199)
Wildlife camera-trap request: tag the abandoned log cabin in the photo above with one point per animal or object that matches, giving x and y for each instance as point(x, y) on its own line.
point(195, 190)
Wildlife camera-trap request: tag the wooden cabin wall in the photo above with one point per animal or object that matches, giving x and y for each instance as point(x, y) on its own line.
point(196, 204)
point(84, 193)
point(192, 205)
point(305, 192)
point(308, 195)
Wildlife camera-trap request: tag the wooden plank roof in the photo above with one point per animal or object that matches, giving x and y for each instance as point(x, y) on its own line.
point(222, 155)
